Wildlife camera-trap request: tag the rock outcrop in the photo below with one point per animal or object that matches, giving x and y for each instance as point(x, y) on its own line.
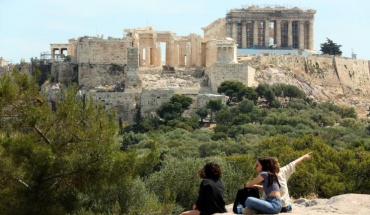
point(346, 204)
point(342, 81)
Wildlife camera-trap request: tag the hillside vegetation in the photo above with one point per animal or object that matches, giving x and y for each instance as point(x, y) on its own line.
point(77, 158)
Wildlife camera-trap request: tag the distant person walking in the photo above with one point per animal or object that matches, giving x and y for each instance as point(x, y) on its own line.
point(211, 192)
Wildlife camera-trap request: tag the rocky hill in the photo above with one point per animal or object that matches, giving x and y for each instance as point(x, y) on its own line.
point(346, 204)
point(343, 81)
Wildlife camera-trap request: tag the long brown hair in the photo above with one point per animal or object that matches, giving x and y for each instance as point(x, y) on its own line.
point(272, 167)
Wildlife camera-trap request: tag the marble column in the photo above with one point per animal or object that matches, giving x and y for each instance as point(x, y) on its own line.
point(147, 56)
point(158, 54)
point(301, 35)
point(234, 32)
point(290, 34)
point(310, 36)
point(267, 33)
point(244, 34)
point(255, 33)
point(141, 57)
point(278, 33)
point(188, 54)
point(169, 52)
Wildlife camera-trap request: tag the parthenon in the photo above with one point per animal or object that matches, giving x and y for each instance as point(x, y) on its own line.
point(269, 27)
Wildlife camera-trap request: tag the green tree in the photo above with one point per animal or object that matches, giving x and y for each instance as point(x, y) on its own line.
point(224, 116)
point(235, 90)
point(331, 48)
point(251, 95)
point(183, 100)
point(215, 105)
point(202, 113)
point(175, 107)
point(292, 91)
point(262, 89)
point(52, 161)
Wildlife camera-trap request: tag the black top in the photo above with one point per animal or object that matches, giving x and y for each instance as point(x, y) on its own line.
point(211, 197)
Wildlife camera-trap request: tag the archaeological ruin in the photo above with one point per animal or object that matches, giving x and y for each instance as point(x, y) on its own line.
point(276, 27)
point(146, 67)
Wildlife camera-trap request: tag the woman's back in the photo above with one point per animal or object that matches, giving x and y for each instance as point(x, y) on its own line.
point(210, 199)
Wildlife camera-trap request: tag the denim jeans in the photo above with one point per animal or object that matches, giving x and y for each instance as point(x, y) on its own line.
point(272, 205)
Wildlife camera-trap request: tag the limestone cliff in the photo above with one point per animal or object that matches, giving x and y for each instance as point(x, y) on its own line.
point(343, 81)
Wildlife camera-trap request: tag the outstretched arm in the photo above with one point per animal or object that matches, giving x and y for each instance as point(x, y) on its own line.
point(302, 158)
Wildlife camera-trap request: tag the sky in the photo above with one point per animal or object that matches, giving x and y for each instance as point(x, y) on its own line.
point(27, 27)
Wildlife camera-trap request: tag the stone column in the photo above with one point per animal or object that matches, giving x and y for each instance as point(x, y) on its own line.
point(158, 61)
point(175, 54)
point(140, 56)
point(290, 34)
point(188, 54)
point(267, 33)
point(155, 52)
point(244, 34)
point(301, 34)
point(170, 49)
point(278, 33)
point(255, 32)
point(234, 32)
point(310, 36)
point(168, 54)
point(147, 56)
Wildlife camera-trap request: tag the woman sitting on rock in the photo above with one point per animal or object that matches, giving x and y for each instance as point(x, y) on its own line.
point(267, 168)
point(211, 192)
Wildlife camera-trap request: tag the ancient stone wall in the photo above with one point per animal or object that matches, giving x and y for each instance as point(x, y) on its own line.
point(103, 51)
point(64, 72)
point(93, 75)
point(219, 73)
point(340, 75)
point(151, 99)
point(296, 62)
point(354, 75)
point(203, 99)
point(123, 103)
point(216, 29)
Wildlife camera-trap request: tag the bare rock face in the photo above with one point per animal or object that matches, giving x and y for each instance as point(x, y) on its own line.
point(342, 204)
point(344, 82)
point(346, 204)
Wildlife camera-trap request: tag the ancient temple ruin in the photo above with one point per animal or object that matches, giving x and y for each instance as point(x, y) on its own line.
point(178, 51)
point(145, 67)
point(268, 27)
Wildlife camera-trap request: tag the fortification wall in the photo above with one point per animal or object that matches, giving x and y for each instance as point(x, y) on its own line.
point(320, 68)
point(354, 75)
point(103, 51)
point(203, 99)
point(219, 73)
point(337, 74)
point(323, 69)
point(296, 62)
point(93, 75)
point(123, 103)
point(151, 99)
point(63, 72)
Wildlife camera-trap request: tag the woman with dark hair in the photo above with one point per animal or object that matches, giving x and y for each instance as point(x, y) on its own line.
point(267, 168)
point(211, 192)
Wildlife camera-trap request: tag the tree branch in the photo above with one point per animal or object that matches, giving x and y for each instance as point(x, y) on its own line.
point(42, 135)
